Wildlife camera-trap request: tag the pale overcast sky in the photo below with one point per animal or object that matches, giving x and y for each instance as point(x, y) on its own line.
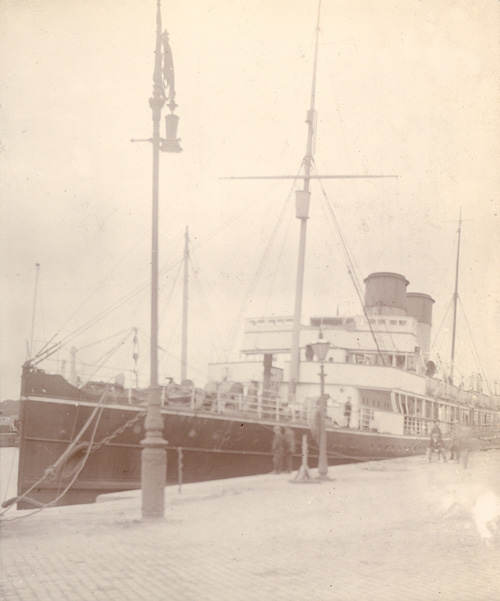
point(405, 87)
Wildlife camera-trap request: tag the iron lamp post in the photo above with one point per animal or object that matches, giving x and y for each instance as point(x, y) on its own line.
point(154, 454)
point(320, 349)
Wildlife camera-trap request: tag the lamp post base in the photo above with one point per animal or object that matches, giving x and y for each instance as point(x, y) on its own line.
point(153, 478)
point(304, 476)
point(324, 478)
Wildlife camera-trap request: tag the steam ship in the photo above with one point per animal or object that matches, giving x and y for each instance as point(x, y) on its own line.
point(380, 392)
point(383, 398)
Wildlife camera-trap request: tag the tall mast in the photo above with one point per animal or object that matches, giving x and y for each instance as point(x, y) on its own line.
point(31, 349)
point(455, 301)
point(185, 307)
point(302, 202)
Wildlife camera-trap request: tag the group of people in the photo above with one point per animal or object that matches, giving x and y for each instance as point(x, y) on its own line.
point(460, 444)
point(283, 448)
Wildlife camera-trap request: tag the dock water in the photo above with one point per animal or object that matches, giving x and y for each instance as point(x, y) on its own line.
point(404, 529)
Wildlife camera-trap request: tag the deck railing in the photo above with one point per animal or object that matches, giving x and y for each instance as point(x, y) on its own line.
point(417, 426)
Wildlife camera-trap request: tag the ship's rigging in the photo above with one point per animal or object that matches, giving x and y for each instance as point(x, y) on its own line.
point(306, 174)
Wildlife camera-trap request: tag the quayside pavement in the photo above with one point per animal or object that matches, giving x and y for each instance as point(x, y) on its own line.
point(400, 530)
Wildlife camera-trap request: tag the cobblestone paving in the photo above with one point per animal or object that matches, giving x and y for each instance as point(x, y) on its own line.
point(376, 532)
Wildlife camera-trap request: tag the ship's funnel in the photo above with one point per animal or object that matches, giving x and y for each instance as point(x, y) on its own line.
point(419, 306)
point(385, 294)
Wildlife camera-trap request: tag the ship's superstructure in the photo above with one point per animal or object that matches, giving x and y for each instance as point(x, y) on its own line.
point(378, 364)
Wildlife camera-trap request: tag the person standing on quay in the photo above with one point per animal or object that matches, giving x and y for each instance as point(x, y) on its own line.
point(278, 448)
point(347, 413)
point(289, 439)
point(437, 431)
point(436, 443)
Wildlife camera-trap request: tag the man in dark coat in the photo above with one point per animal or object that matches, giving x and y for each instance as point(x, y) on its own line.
point(278, 447)
point(347, 413)
point(436, 443)
point(289, 440)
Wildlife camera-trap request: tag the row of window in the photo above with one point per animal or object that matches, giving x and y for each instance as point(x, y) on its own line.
point(414, 406)
point(277, 321)
point(407, 362)
point(391, 322)
point(376, 403)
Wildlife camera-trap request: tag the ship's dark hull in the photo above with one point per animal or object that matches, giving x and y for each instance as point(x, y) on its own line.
point(201, 446)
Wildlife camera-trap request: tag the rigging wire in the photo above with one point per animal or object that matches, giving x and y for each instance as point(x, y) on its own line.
point(210, 321)
point(104, 358)
point(11, 469)
point(81, 348)
point(163, 350)
point(441, 330)
point(98, 367)
point(228, 348)
point(99, 286)
point(61, 494)
point(48, 349)
point(163, 356)
point(42, 312)
point(332, 69)
point(478, 358)
point(174, 331)
point(351, 270)
point(97, 413)
point(275, 271)
point(171, 293)
point(56, 346)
